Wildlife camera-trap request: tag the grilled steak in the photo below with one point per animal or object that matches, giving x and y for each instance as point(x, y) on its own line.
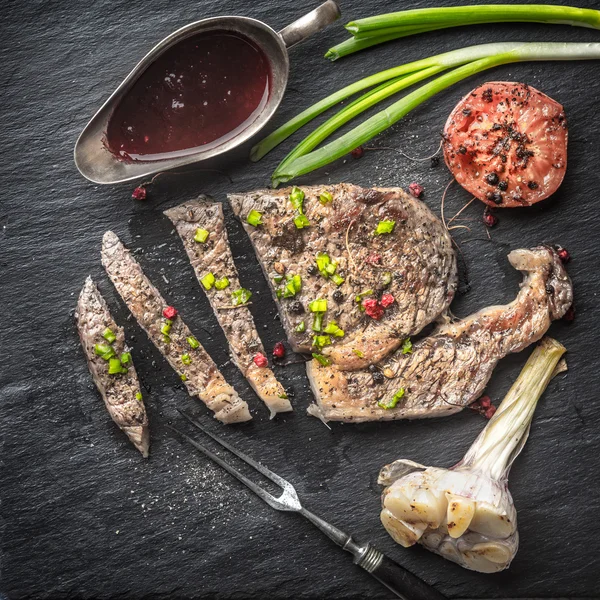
point(214, 256)
point(120, 392)
point(181, 349)
point(411, 261)
point(449, 369)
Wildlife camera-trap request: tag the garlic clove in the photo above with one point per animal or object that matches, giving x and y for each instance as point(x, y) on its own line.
point(488, 557)
point(459, 514)
point(402, 533)
point(488, 521)
point(416, 505)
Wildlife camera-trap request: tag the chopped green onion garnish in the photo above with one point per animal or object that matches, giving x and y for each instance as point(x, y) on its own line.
point(278, 278)
point(115, 367)
point(166, 328)
point(322, 359)
point(392, 403)
point(301, 221)
point(222, 283)
point(386, 279)
point(279, 294)
point(297, 199)
point(125, 358)
point(201, 235)
point(333, 329)
point(297, 282)
point(186, 359)
point(183, 377)
point(360, 296)
point(325, 198)
point(317, 322)
point(193, 342)
point(337, 279)
point(406, 346)
point(254, 218)
point(321, 340)
point(319, 305)
point(104, 349)
point(301, 327)
point(322, 259)
point(283, 396)
point(109, 336)
point(289, 291)
point(358, 353)
point(331, 268)
point(208, 281)
point(166, 339)
point(241, 296)
point(138, 396)
point(385, 227)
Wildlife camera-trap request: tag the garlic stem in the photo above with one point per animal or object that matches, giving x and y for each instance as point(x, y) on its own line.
point(502, 440)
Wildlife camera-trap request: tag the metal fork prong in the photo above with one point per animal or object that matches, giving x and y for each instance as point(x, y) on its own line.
point(286, 485)
point(264, 495)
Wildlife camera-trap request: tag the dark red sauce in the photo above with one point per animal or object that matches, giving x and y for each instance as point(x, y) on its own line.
point(204, 90)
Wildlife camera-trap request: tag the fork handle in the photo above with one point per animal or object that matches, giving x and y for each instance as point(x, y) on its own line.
point(396, 578)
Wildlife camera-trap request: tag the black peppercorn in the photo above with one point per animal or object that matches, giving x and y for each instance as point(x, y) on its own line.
point(338, 296)
point(372, 368)
point(462, 150)
point(312, 270)
point(296, 307)
point(378, 377)
point(503, 185)
point(495, 197)
point(532, 185)
point(492, 178)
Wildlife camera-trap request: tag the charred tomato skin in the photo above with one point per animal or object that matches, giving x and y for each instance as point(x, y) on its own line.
point(506, 143)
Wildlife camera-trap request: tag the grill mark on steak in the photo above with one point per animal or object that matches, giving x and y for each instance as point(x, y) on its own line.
point(450, 368)
point(215, 256)
point(418, 253)
point(92, 317)
point(202, 377)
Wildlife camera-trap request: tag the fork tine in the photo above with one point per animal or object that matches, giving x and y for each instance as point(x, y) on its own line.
point(286, 485)
point(263, 494)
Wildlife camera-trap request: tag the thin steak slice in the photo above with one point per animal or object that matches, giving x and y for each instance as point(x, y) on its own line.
point(414, 263)
point(449, 369)
point(121, 392)
point(214, 256)
point(201, 376)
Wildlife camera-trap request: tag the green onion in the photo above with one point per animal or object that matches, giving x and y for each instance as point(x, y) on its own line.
point(278, 278)
point(283, 396)
point(319, 341)
point(337, 279)
point(325, 198)
point(222, 283)
point(183, 377)
point(109, 336)
point(317, 322)
point(241, 296)
point(186, 359)
point(333, 329)
point(392, 403)
point(359, 297)
point(193, 342)
point(386, 279)
point(319, 305)
point(385, 27)
point(201, 235)
point(166, 328)
point(301, 327)
point(166, 339)
point(279, 294)
point(104, 350)
point(297, 282)
point(254, 218)
point(407, 346)
point(125, 358)
point(289, 291)
point(115, 367)
point(301, 221)
point(321, 359)
point(138, 396)
point(331, 268)
point(208, 281)
point(297, 199)
point(385, 227)
point(358, 353)
point(322, 260)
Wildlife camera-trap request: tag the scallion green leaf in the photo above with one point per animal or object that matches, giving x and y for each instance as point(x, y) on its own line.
point(115, 367)
point(358, 353)
point(221, 284)
point(297, 199)
point(318, 305)
point(333, 329)
point(385, 227)
point(183, 377)
point(278, 278)
point(186, 359)
point(109, 336)
point(193, 342)
point(104, 350)
point(337, 279)
point(320, 341)
point(392, 403)
point(323, 360)
point(325, 198)
point(301, 327)
point(208, 281)
point(166, 328)
point(301, 221)
point(317, 324)
point(241, 296)
point(386, 279)
point(138, 396)
point(125, 358)
point(407, 346)
point(254, 218)
point(201, 235)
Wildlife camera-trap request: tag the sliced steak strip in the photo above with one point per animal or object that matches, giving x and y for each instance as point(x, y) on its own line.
point(121, 392)
point(449, 369)
point(201, 376)
point(214, 256)
point(415, 264)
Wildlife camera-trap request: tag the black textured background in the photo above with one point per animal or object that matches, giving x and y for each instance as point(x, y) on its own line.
point(83, 516)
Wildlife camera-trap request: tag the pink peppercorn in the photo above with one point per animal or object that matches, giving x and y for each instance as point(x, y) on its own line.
point(416, 190)
point(373, 308)
point(260, 360)
point(139, 193)
point(387, 300)
point(170, 312)
point(373, 259)
point(489, 219)
point(563, 254)
point(358, 152)
point(279, 350)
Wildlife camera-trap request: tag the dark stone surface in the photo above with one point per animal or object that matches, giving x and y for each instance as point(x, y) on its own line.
point(83, 516)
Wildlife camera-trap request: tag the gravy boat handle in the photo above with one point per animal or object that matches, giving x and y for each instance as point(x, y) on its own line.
point(310, 23)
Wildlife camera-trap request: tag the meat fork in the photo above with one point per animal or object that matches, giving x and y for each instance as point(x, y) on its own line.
point(397, 579)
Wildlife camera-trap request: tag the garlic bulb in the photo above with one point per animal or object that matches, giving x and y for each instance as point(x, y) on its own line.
point(466, 513)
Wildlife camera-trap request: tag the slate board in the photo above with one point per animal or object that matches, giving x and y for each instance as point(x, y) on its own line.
point(83, 516)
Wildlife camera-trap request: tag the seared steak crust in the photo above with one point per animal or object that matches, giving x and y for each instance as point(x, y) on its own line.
point(119, 392)
point(214, 256)
point(201, 376)
point(449, 369)
point(415, 263)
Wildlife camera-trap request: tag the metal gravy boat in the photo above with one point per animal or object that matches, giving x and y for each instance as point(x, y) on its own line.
point(98, 164)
